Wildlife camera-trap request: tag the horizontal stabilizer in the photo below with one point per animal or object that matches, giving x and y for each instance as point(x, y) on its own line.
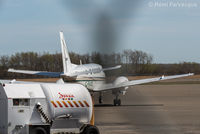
point(43, 73)
point(111, 68)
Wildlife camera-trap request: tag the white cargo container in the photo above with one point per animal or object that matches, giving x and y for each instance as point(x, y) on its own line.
point(41, 108)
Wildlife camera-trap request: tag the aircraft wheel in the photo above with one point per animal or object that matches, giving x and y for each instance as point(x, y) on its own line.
point(91, 130)
point(100, 100)
point(117, 102)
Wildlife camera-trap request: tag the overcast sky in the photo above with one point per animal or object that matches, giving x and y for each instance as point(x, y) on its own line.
point(169, 30)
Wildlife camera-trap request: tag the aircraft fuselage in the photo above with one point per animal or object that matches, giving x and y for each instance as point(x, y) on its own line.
point(93, 78)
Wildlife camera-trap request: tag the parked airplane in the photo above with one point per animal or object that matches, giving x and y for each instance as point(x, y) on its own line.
point(92, 76)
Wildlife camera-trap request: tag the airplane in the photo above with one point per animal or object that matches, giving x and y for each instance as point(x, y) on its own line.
point(92, 76)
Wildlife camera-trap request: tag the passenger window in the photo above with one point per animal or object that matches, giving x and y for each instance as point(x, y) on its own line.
point(21, 102)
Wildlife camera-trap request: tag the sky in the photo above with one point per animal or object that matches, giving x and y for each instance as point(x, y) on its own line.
point(168, 30)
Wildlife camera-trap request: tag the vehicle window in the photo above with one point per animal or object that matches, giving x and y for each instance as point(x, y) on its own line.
point(21, 102)
point(15, 102)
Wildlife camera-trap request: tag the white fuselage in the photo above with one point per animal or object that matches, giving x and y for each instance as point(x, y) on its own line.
point(94, 77)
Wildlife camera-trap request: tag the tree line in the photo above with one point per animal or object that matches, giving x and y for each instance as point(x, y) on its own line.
point(133, 62)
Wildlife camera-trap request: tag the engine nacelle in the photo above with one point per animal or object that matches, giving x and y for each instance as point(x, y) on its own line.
point(120, 80)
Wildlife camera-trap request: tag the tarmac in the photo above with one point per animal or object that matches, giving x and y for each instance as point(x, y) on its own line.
point(151, 109)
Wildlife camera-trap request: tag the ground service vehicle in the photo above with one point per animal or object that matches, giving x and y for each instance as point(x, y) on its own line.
point(45, 109)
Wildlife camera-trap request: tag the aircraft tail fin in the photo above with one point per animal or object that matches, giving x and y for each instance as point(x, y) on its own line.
point(65, 55)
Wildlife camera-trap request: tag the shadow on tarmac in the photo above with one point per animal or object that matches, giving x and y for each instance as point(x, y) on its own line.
point(135, 105)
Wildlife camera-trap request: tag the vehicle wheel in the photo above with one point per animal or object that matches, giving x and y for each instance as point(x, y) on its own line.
point(39, 130)
point(91, 130)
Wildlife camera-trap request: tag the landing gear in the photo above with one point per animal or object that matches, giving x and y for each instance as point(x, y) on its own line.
point(90, 129)
point(117, 101)
point(100, 98)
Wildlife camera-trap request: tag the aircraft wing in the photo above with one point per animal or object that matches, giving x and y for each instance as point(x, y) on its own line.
point(111, 86)
point(43, 73)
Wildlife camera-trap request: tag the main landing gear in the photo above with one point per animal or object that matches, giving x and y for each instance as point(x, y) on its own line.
point(100, 98)
point(117, 101)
